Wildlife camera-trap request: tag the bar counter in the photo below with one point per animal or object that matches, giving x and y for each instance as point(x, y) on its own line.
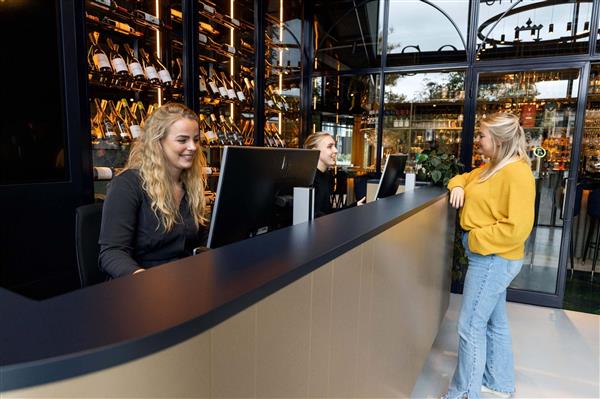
point(292, 313)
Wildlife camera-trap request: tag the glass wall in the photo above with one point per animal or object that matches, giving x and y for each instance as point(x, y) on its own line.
point(532, 28)
point(583, 285)
point(348, 107)
point(423, 111)
point(283, 64)
point(546, 102)
point(348, 34)
point(442, 39)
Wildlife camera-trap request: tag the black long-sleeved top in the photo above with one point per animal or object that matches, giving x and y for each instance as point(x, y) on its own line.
point(131, 236)
point(323, 185)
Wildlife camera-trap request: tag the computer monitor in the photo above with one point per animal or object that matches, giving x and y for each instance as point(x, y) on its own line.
point(255, 190)
point(390, 178)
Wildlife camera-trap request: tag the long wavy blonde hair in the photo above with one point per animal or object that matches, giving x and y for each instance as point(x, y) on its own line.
point(509, 141)
point(148, 158)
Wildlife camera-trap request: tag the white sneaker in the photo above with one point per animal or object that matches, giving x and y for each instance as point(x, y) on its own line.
point(495, 393)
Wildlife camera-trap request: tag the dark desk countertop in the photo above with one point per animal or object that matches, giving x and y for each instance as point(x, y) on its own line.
point(133, 316)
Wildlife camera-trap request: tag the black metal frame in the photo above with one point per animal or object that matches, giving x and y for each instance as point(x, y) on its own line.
point(77, 110)
point(473, 69)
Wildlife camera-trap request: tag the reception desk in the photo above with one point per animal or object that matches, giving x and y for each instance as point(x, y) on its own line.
point(345, 306)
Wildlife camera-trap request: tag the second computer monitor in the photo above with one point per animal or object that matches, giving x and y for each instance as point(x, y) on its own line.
point(390, 178)
point(255, 189)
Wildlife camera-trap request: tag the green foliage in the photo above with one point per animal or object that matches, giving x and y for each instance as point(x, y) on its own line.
point(437, 167)
point(460, 262)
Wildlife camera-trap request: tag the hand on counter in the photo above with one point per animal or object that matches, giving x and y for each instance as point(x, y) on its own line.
point(457, 197)
point(361, 201)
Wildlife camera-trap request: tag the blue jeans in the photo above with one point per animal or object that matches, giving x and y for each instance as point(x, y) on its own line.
point(484, 346)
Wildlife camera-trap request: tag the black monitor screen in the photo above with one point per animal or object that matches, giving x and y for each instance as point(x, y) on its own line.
point(255, 189)
point(390, 178)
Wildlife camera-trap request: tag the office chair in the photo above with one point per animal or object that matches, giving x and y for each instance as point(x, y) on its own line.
point(87, 230)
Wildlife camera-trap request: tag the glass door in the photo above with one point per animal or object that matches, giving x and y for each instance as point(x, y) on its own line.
point(546, 102)
point(582, 288)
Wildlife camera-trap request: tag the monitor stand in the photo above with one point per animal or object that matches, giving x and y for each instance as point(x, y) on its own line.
point(304, 204)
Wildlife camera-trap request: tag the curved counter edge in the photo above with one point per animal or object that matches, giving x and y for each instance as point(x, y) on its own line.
point(80, 332)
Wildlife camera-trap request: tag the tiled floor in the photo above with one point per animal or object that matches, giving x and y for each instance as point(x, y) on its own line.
point(557, 353)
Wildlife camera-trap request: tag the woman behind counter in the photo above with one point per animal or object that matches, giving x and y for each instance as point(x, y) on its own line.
point(325, 143)
point(497, 214)
point(154, 210)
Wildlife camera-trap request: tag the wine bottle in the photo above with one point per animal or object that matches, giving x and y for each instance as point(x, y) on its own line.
point(220, 84)
point(135, 68)
point(229, 86)
point(102, 4)
point(218, 129)
point(212, 84)
point(239, 91)
point(208, 28)
point(202, 83)
point(235, 138)
point(120, 27)
point(163, 72)
point(120, 122)
point(249, 86)
point(97, 134)
point(269, 97)
point(149, 68)
point(108, 130)
point(139, 111)
point(277, 136)
point(117, 62)
point(97, 58)
point(146, 19)
point(103, 173)
point(210, 137)
point(249, 132)
point(132, 122)
point(178, 69)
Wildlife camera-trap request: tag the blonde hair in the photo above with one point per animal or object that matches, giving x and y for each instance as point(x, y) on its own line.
point(313, 140)
point(148, 158)
point(509, 142)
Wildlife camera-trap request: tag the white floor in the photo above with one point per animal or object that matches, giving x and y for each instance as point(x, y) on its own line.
point(557, 353)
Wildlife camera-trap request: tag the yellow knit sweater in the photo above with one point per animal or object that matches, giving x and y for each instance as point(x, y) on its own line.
point(498, 213)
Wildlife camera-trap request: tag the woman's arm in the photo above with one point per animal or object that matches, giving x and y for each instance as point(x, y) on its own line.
point(119, 223)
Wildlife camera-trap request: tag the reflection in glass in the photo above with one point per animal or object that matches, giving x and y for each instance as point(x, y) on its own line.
point(546, 102)
point(347, 107)
point(32, 136)
point(348, 35)
point(441, 39)
point(532, 28)
point(423, 111)
point(282, 80)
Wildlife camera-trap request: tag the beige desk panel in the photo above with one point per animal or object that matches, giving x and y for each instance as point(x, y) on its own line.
point(359, 326)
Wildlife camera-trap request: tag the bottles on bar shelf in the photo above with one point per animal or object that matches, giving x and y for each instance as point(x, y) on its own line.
point(115, 125)
point(114, 70)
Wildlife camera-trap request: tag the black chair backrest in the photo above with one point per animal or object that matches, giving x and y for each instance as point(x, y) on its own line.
point(593, 205)
point(87, 230)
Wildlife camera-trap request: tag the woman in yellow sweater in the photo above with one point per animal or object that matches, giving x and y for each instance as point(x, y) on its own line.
point(497, 214)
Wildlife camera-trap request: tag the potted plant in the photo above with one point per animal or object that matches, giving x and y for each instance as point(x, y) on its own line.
point(437, 166)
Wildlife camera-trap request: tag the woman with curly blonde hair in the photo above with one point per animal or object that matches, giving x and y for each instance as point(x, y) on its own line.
point(154, 210)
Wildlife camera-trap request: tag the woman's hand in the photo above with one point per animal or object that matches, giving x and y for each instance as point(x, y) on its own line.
point(457, 197)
